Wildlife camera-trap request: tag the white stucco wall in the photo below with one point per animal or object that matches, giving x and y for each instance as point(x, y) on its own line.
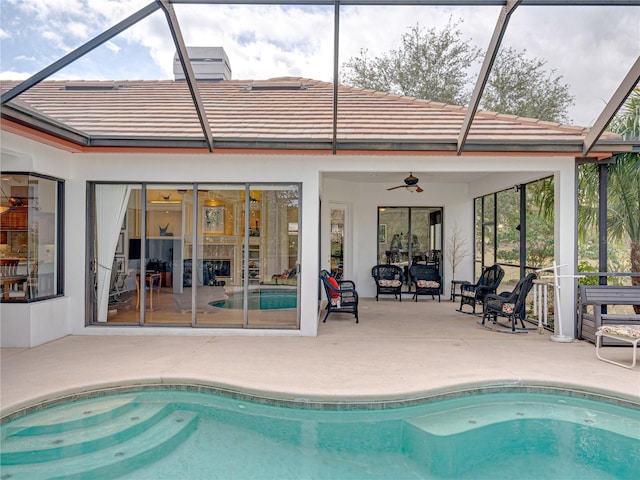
point(28, 325)
point(364, 200)
point(67, 315)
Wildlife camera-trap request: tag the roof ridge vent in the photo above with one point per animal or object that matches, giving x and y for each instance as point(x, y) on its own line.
point(277, 85)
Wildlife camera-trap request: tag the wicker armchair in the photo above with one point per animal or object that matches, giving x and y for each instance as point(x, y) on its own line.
point(510, 305)
point(389, 280)
point(426, 280)
point(474, 293)
point(342, 296)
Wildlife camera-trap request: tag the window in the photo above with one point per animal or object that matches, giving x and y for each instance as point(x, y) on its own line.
point(499, 230)
point(30, 238)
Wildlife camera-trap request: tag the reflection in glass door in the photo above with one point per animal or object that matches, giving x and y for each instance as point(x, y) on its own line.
point(213, 255)
point(217, 274)
point(409, 235)
point(271, 256)
point(337, 242)
point(166, 302)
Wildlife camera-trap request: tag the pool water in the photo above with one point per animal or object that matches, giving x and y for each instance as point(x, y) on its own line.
point(262, 299)
point(170, 434)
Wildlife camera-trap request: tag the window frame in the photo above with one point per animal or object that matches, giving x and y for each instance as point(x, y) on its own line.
point(58, 257)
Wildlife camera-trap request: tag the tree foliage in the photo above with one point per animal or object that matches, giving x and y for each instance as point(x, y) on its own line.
point(430, 64)
point(435, 65)
point(623, 202)
point(521, 86)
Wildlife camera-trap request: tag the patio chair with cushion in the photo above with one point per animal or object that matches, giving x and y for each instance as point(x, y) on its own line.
point(474, 293)
point(426, 279)
point(389, 280)
point(342, 296)
point(510, 305)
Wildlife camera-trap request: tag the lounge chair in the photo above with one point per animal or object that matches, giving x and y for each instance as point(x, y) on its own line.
point(426, 279)
point(342, 296)
point(624, 333)
point(389, 280)
point(474, 293)
point(510, 305)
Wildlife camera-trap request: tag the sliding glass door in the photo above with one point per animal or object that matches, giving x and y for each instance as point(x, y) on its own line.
point(205, 255)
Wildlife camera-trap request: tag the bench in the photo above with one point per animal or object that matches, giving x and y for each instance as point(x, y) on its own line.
point(597, 296)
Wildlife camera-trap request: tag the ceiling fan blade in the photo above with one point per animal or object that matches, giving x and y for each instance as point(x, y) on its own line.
point(419, 189)
point(399, 186)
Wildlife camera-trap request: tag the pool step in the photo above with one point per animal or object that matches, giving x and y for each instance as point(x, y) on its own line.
point(450, 444)
point(18, 449)
point(465, 419)
point(68, 417)
point(116, 459)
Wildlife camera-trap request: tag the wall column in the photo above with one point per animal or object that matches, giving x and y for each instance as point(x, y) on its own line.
point(566, 241)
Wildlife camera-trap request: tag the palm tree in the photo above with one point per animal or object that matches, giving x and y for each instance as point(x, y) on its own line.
point(624, 184)
point(623, 203)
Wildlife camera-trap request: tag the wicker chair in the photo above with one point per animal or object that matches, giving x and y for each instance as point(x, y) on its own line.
point(510, 305)
point(389, 280)
point(474, 293)
point(426, 279)
point(342, 296)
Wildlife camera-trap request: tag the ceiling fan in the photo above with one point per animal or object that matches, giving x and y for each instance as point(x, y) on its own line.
point(410, 183)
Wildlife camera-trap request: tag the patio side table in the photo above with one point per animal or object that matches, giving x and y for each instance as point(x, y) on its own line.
point(455, 288)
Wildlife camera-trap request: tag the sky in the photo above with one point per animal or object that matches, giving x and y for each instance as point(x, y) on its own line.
point(591, 48)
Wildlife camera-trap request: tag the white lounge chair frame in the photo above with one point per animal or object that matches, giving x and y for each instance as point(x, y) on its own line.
point(633, 341)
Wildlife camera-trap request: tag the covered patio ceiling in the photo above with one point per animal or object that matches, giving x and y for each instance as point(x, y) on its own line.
point(591, 141)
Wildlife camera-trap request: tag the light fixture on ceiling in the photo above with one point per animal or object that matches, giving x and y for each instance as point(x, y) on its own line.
point(165, 200)
point(13, 202)
point(410, 184)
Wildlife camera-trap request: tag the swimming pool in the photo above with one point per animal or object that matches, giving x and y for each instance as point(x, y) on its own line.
point(169, 433)
point(261, 299)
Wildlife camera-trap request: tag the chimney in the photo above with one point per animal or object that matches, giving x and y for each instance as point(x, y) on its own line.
point(208, 63)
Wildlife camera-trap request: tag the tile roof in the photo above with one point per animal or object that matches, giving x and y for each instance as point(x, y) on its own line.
point(291, 111)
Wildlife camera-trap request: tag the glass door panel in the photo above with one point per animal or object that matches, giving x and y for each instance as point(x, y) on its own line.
point(271, 256)
point(420, 242)
point(337, 242)
point(116, 209)
point(217, 274)
point(394, 237)
point(167, 212)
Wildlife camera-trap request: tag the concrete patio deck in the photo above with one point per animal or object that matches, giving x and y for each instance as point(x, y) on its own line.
point(398, 350)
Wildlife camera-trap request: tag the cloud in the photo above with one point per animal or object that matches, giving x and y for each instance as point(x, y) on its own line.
point(55, 39)
point(12, 75)
point(264, 41)
point(113, 47)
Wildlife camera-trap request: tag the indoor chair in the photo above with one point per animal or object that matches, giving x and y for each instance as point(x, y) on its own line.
point(152, 283)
